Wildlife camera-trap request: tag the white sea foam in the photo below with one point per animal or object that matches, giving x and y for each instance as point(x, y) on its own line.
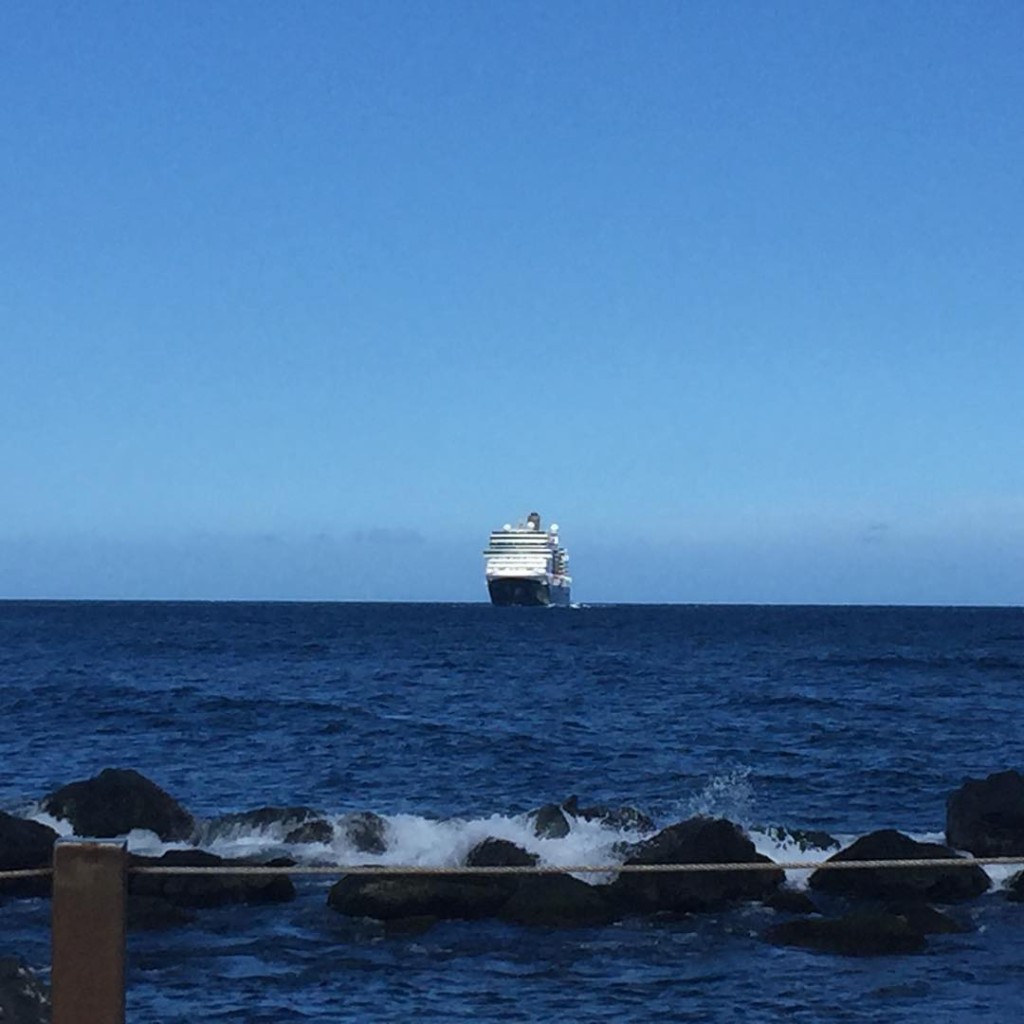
point(427, 842)
point(783, 847)
point(423, 842)
point(59, 825)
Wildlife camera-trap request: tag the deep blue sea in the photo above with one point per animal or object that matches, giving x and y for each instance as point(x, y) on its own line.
point(454, 721)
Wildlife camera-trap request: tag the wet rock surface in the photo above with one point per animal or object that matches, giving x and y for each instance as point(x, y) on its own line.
point(550, 822)
point(986, 816)
point(365, 831)
point(790, 901)
point(188, 890)
point(923, 884)
point(558, 901)
point(697, 841)
point(281, 819)
point(25, 845)
point(860, 933)
point(117, 801)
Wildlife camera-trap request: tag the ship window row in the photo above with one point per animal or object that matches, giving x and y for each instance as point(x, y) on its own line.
point(528, 544)
point(535, 538)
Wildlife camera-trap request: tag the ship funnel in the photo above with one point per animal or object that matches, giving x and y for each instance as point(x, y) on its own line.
point(533, 521)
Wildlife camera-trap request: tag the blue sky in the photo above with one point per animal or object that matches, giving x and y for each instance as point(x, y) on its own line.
point(301, 300)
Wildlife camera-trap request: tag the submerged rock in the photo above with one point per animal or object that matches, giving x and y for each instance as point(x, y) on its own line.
point(927, 920)
point(154, 913)
point(117, 801)
point(863, 933)
point(24, 999)
point(697, 841)
point(208, 890)
point(986, 816)
point(790, 901)
point(403, 927)
point(25, 845)
point(921, 884)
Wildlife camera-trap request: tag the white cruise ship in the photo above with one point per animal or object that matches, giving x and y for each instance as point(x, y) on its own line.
point(526, 565)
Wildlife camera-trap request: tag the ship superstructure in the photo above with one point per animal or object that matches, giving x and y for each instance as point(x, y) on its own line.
point(526, 565)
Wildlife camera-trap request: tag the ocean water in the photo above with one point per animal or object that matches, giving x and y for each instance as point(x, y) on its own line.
point(454, 721)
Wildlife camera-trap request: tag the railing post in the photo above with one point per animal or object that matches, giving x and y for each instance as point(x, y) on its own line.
point(88, 934)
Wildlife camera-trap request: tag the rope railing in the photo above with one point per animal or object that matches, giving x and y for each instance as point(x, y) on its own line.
point(542, 869)
point(26, 873)
point(572, 869)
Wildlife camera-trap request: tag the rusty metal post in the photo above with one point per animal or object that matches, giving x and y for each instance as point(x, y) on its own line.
point(88, 937)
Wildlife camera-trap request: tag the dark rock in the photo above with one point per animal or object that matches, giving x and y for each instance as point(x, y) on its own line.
point(863, 933)
point(24, 999)
point(1015, 888)
point(117, 801)
point(499, 853)
point(405, 926)
point(697, 841)
point(391, 897)
point(550, 822)
point(365, 831)
point(557, 901)
point(260, 819)
point(208, 890)
point(318, 831)
point(921, 884)
point(25, 845)
point(803, 839)
point(153, 913)
point(925, 919)
point(790, 901)
point(986, 816)
point(628, 819)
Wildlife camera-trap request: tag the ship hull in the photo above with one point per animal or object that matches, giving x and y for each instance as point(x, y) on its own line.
point(523, 592)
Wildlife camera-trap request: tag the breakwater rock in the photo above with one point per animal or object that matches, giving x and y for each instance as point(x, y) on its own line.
point(986, 816)
point(561, 900)
point(697, 841)
point(555, 821)
point(859, 933)
point(120, 801)
point(923, 884)
point(24, 845)
point(117, 801)
point(214, 890)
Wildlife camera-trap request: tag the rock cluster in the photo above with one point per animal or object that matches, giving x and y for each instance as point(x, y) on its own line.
point(872, 910)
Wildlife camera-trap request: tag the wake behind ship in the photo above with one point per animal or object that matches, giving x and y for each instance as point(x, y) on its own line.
point(526, 565)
